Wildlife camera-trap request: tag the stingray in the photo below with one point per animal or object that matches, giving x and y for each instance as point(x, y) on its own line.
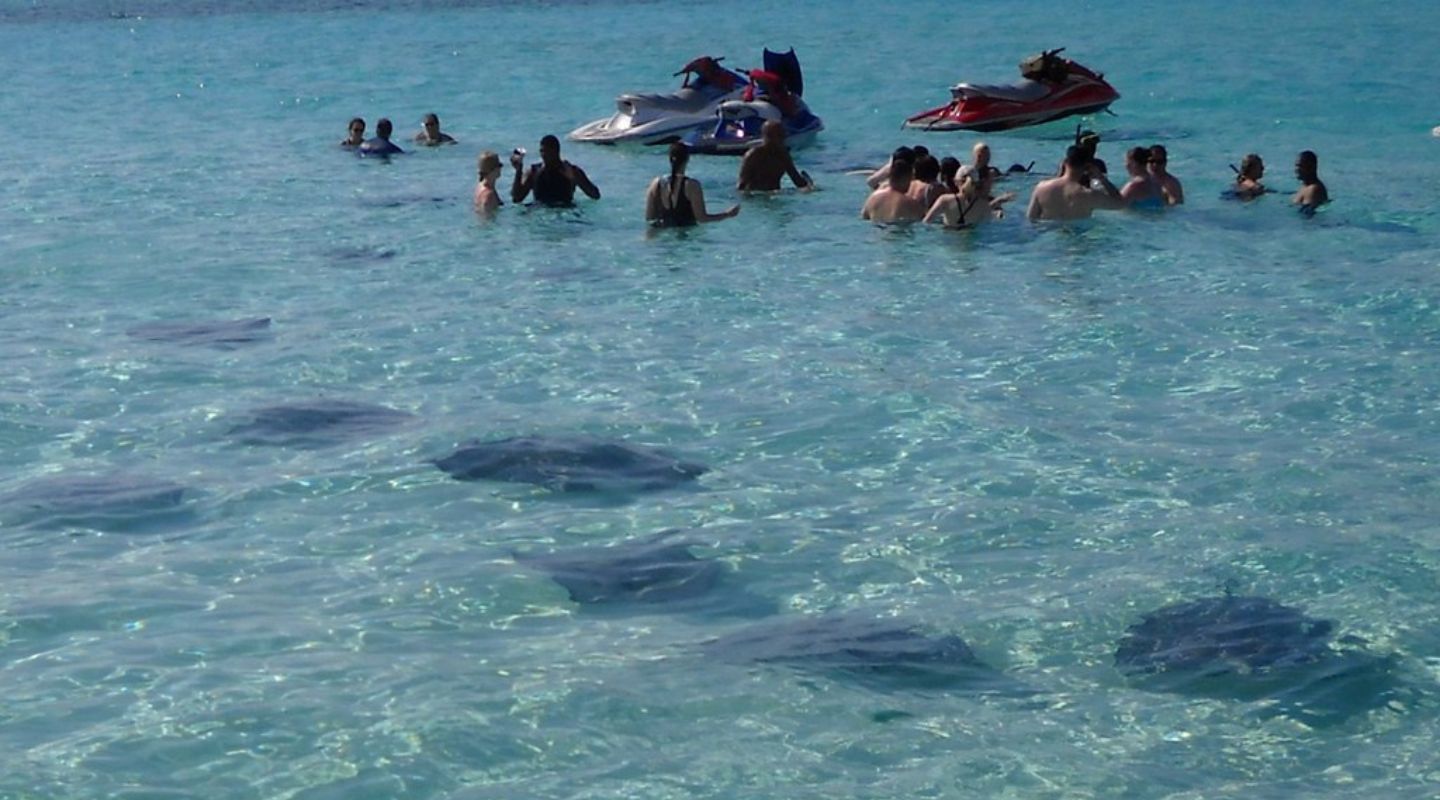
point(317, 423)
point(577, 464)
point(657, 570)
point(1222, 634)
point(212, 333)
point(108, 502)
point(1255, 649)
point(877, 652)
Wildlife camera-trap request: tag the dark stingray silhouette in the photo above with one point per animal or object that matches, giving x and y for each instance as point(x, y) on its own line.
point(879, 653)
point(317, 423)
point(660, 569)
point(115, 502)
point(1255, 649)
point(212, 333)
point(578, 464)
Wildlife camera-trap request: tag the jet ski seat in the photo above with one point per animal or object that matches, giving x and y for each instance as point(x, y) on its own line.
point(1026, 91)
point(685, 100)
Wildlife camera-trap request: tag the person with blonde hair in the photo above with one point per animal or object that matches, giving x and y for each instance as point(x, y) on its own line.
point(487, 198)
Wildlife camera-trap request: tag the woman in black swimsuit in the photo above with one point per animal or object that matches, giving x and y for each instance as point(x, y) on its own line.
point(675, 201)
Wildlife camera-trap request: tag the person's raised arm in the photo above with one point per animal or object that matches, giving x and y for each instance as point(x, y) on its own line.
point(521, 186)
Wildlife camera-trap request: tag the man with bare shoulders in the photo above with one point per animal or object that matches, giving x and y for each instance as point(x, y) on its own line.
point(764, 164)
point(1160, 170)
point(1313, 193)
point(1071, 196)
point(892, 202)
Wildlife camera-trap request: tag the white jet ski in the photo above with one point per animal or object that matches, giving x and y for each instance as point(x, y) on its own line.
point(665, 118)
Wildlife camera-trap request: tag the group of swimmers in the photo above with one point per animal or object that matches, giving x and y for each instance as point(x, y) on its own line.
point(917, 187)
point(671, 201)
point(430, 135)
point(914, 186)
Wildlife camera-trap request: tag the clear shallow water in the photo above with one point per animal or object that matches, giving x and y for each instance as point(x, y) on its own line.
point(1025, 437)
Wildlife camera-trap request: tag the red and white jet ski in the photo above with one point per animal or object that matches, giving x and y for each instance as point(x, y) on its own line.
point(1052, 88)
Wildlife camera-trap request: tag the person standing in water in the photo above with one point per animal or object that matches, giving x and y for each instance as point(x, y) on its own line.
point(553, 180)
point(893, 202)
point(430, 134)
point(1071, 195)
point(1313, 193)
point(764, 164)
point(1159, 169)
point(381, 144)
point(487, 198)
point(1247, 178)
point(355, 134)
point(675, 201)
point(1142, 190)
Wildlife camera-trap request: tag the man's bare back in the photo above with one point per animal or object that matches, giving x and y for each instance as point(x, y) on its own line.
point(1070, 196)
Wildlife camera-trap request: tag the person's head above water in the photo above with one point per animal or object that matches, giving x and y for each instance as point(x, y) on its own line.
point(356, 128)
point(1307, 166)
point(679, 157)
point(1251, 167)
point(1159, 156)
point(489, 164)
point(549, 148)
point(1077, 162)
point(431, 123)
point(772, 132)
point(902, 153)
point(901, 174)
point(1136, 159)
point(981, 154)
point(383, 128)
point(1088, 141)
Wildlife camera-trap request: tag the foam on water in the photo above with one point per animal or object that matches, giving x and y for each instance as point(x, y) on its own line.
point(1031, 436)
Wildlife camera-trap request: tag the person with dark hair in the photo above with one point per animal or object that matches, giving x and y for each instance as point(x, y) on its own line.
point(949, 168)
point(675, 201)
point(1313, 193)
point(1089, 142)
point(912, 154)
point(1159, 169)
point(926, 186)
point(1071, 195)
point(553, 180)
point(381, 144)
point(765, 163)
point(1142, 190)
point(1247, 178)
point(430, 134)
point(355, 134)
point(892, 202)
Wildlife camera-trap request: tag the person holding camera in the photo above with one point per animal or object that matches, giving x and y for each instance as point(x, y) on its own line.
point(553, 180)
point(1080, 190)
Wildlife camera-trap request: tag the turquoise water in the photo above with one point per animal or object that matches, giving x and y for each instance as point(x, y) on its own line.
point(1028, 437)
